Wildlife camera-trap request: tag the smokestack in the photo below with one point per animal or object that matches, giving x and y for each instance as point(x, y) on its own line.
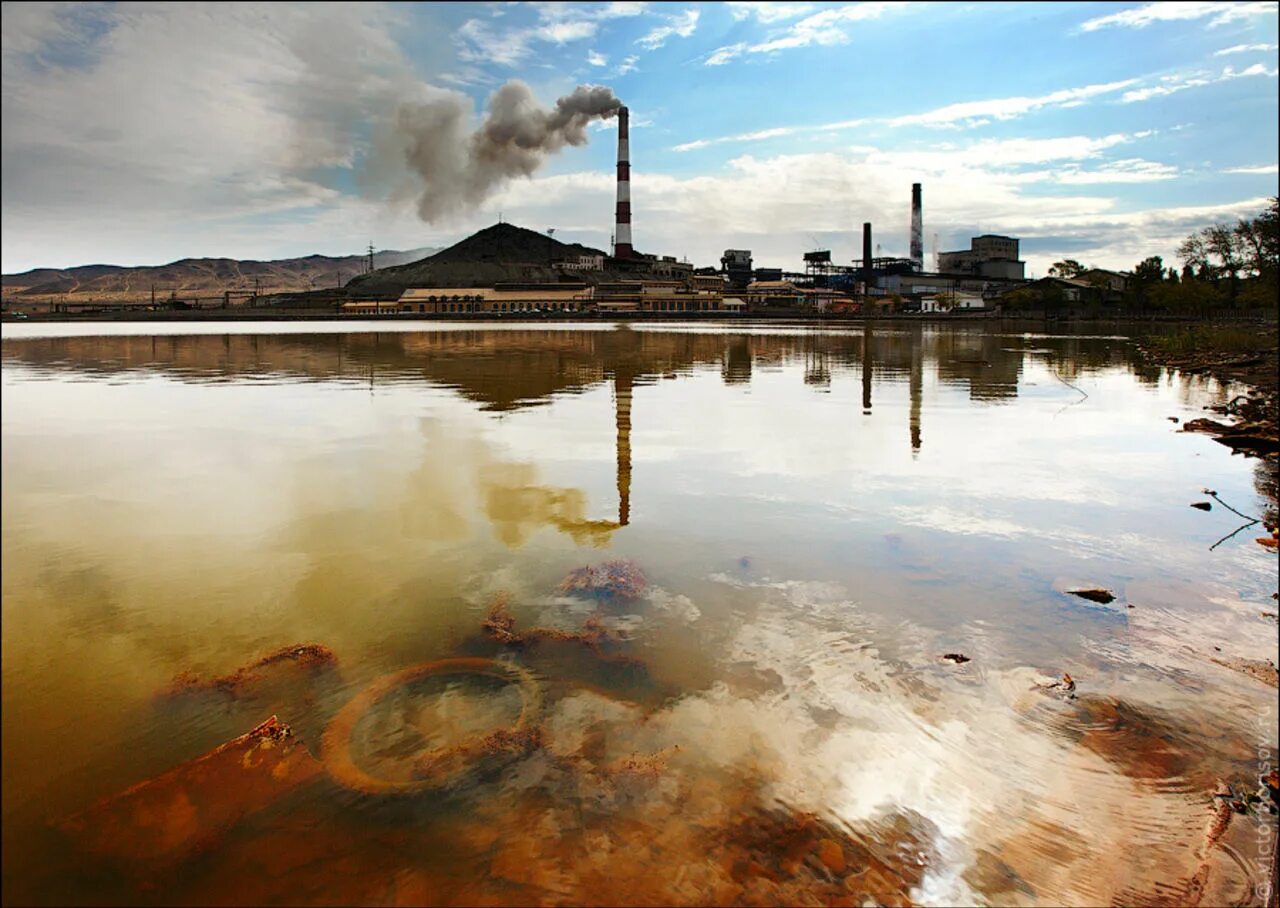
point(917, 228)
point(866, 253)
point(622, 232)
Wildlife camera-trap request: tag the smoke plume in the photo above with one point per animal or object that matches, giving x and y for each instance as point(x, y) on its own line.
point(459, 170)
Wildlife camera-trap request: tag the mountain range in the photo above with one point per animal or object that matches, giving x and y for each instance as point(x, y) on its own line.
point(188, 277)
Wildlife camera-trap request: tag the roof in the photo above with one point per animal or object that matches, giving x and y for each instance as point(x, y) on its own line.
point(550, 293)
point(771, 285)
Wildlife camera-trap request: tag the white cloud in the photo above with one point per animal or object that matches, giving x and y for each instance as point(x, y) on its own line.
point(1176, 83)
point(766, 12)
point(597, 59)
point(1128, 170)
point(968, 112)
point(773, 204)
point(628, 65)
point(682, 25)
point(1260, 169)
point(558, 23)
point(1245, 48)
point(1174, 11)
point(824, 28)
point(722, 55)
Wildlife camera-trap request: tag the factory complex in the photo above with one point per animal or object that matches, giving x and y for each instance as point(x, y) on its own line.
point(628, 281)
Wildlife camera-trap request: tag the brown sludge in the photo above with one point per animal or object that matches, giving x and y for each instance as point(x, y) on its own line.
point(305, 655)
point(162, 821)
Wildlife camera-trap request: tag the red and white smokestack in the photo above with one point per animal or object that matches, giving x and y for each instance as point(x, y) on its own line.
point(917, 228)
point(622, 231)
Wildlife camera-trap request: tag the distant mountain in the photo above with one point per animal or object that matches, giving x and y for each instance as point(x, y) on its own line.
point(197, 276)
point(503, 252)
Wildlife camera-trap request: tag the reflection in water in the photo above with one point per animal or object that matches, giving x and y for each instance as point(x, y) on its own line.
point(767, 722)
point(917, 390)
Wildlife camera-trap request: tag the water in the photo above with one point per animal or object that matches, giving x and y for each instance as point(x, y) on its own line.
point(818, 516)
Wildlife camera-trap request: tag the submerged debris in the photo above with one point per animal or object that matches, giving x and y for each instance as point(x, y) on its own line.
point(1269, 542)
point(1094, 594)
point(442, 766)
point(622, 579)
point(306, 655)
point(500, 624)
point(649, 765)
point(957, 658)
point(1065, 687)
point(503, 744)
point(1263, 671)
point(157, 823)
point(1202, 505)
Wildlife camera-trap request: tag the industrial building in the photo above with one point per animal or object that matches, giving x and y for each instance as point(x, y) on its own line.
point(988, 256)
point(631, 281)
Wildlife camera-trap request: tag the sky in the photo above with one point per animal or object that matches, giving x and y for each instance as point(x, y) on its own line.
point(138, 134)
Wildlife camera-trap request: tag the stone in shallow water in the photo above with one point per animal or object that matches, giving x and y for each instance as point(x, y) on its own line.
point(1094, 594)
point(623, 579)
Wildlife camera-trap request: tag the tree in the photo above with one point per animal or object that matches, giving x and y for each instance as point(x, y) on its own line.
point(1149, 270)
point(1066, 268)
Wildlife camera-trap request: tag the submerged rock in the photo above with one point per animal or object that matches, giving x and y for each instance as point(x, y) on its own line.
point(622, 579)
point(957, 658)
point(1094, 594)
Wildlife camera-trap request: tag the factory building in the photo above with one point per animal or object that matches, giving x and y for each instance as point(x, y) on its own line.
point(988, 255)
point(736, 265)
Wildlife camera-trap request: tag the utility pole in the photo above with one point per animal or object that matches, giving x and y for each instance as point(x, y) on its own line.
point(369, 269)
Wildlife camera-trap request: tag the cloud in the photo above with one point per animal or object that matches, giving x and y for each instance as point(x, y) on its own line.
point(824, 29)
point(1176, 83)
point(682, 25)
point(1245, 48)
point(969, 112)
point(767, 13)
point(597, 59)
point(628, 65)
point(1172, 11)
point(558, 24)
point(773, 204)
point(1128, 170)
point(722, 55)
point(1260, 168)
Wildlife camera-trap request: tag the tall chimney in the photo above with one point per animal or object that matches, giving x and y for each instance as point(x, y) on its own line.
point(867, 273)
point(917, 228)
point(622, 232)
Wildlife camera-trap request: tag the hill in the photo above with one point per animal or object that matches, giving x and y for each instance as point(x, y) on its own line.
point(503, 252)
point(187, 277)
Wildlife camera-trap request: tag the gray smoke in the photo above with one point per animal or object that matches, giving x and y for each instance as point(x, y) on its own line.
point(459, 170)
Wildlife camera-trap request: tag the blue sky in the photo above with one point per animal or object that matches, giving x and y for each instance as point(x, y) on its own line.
point(138, 134)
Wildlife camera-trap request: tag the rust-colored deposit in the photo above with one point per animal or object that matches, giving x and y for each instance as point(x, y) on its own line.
point(619, 579)
point(436, 767)
point(304, 655)
point(164, 820)
point(500, 624)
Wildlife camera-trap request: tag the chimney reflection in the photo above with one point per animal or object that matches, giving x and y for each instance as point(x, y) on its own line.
point(866, 370)
point(622, 407)
point(917, 381)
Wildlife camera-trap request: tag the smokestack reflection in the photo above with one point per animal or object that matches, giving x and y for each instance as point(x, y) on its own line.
point(866, 370)
point(917, 381)
point(622, 405)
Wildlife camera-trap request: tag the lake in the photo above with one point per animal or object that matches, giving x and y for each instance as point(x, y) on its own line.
point(696, 584)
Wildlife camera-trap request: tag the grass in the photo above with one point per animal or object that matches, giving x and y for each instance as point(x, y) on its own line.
point(1210, 339)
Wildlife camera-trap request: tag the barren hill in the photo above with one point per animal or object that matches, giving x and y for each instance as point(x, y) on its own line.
point(503, 252)
point(209, 277)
